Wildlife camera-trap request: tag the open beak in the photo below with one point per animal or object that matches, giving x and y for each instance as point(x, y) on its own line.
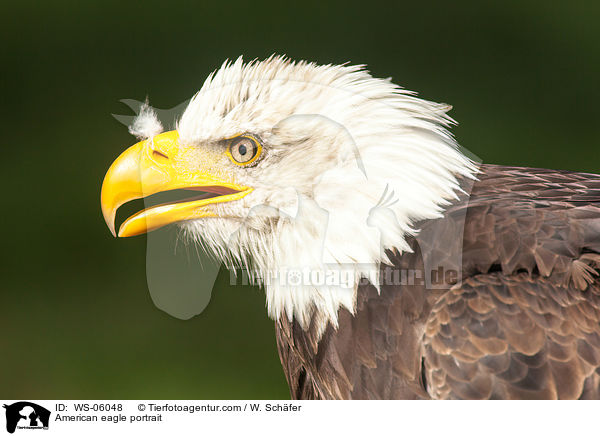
point(158, 165)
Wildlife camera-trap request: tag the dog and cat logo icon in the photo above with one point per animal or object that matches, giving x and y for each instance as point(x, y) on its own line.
point(26, 415)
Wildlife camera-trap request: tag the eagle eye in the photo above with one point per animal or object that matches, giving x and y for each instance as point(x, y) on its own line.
point(244, 150)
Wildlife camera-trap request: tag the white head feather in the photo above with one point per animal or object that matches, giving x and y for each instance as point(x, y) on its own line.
point(146, 124)
point(335, 139)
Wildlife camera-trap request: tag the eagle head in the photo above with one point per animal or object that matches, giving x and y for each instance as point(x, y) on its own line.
point(285, 165)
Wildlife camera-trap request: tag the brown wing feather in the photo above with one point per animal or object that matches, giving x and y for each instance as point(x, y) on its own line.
point(522, 322)
point(513, 337)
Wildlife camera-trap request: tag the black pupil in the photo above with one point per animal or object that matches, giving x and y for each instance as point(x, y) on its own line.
point(242, 149)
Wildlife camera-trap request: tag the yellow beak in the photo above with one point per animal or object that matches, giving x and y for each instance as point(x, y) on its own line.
point(160, 165)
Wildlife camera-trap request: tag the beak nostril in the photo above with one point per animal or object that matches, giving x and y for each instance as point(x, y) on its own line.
point(159, 156)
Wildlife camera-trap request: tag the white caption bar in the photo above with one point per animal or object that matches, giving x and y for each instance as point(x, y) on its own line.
point(286, 418)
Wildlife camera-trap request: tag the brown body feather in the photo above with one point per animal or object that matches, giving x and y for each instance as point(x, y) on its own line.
point(520, 320)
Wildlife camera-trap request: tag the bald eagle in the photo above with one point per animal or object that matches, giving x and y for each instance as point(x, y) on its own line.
point(486, 277)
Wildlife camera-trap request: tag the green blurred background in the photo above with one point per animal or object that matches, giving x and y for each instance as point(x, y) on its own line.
point(76, 318)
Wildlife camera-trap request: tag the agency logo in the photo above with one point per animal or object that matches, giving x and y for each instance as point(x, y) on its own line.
point(26, 415)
